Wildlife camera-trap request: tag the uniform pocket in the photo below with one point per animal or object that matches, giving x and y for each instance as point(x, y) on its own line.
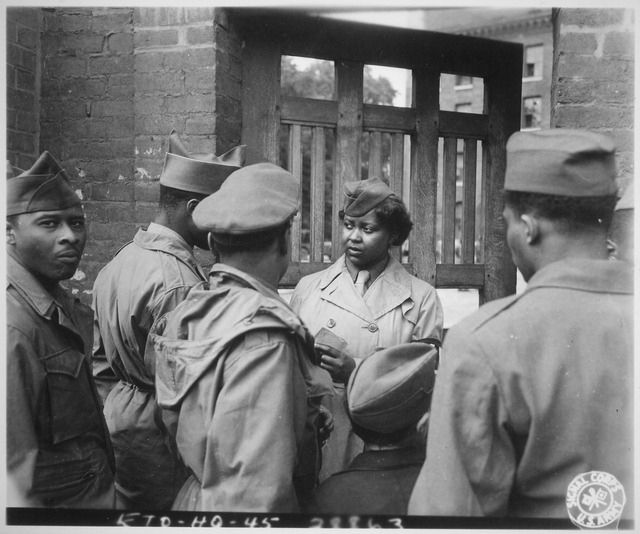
point(72, 406)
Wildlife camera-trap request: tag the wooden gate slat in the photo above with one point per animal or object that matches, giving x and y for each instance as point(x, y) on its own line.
point(295, 168)
point(449, 199)
point(316, 219)
point(467, 240)
point(396, 174)
point(375, 154)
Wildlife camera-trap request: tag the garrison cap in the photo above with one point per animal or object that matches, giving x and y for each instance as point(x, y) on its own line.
point(198, 173)
point(626, 200)
point(391, 389)
point(253, 199)
point(563, 162)
point(44, 187)
point(364, 195)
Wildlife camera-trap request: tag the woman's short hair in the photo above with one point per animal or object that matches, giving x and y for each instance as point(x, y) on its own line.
point(393, 215)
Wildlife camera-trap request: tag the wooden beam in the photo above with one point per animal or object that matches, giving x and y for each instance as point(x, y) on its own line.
point(349, 91)
point(424, 175)
point(460, 276)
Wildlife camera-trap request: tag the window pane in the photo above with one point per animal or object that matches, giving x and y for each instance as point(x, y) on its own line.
point(532, 112)
point(467, 98)
point(307, 77)
point(533, 61)
point(387, 86)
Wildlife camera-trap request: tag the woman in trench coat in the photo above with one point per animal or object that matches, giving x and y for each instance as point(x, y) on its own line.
point(365, 301)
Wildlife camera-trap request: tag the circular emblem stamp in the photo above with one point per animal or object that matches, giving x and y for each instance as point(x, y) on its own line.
point(595, 500)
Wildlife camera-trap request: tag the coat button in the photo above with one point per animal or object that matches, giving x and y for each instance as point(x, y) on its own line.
point(331, 323)
point(373, 327)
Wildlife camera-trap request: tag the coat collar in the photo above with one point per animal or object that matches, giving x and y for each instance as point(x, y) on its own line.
point(168, 242)
point(598, 276)
point(387, 291)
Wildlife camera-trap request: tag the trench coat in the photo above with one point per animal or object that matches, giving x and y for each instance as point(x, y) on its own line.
point(377, 482)
point(58, 448)
point(240, 395)
point(397, 308)
point(147, 278)
point(533, 390)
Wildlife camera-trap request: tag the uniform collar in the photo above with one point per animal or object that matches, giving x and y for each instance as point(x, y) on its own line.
point(245, 279)
point(388, 459)
point(30, 288)
point(163, 239)
point(597, 276)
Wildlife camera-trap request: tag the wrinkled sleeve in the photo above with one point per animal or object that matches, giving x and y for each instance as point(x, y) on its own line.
point(258, 420)
point(470, 461)
point(103, 375)
point(430, 317)
point(24, 383)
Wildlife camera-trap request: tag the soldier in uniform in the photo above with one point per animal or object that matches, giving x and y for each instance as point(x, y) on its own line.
point(234, 364)
point(147, 278)
point(58, 448)
point(536, 389)
point(387, 394)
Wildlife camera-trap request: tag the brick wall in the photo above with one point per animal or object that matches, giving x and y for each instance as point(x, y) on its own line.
point(115, 82)
point(87, 122)
point(23, 83)
point(593, 77)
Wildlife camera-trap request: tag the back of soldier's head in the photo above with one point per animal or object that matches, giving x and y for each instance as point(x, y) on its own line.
point(566, 176)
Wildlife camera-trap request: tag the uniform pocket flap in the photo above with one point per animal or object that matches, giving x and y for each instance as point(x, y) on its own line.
point(68, 362)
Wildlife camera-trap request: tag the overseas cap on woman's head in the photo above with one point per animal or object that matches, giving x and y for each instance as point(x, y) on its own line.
point(198, 173)
point(391, 389)
point(44, 187)
point(253, 199)
point(364, 195)
point(562, 162)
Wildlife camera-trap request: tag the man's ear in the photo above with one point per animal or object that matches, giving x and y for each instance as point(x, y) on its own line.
point(212, 244)
point(531, 228)
point(191, 205)
point(11, 237)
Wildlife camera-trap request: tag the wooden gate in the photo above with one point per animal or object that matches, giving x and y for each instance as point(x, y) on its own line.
point(432, 191)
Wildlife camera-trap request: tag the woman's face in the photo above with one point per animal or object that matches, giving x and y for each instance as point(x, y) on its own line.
point(364, 241)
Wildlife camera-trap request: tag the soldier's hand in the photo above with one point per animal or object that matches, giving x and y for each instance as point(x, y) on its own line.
point(325, 425)
point(339, 364)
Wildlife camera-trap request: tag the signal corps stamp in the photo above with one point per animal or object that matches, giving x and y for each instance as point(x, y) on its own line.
point(595, 500)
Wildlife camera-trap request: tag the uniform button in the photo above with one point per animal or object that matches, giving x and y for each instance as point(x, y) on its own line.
point(331, 323)
point(373, 327)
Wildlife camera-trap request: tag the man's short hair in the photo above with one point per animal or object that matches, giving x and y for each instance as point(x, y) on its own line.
point(171, 199)
point(568, 213)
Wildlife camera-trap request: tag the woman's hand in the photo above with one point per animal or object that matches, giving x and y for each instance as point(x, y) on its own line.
point(339, 364)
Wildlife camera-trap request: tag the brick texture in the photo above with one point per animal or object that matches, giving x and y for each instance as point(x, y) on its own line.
point(23, 85)
point(593, 77)
point(101, 88)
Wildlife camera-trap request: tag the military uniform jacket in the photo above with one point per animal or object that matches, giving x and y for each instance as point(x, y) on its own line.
point(376, 482)
point(397, 308)
point(147, 278)
point(533, 390)
point(239, 394)
point(58, 448)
